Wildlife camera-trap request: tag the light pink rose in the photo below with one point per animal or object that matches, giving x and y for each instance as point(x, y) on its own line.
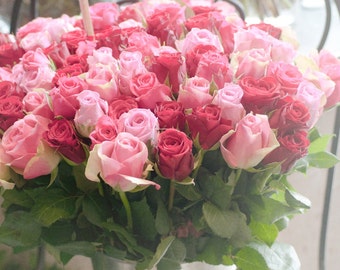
point(310, 95)
point(252, 62)
point(104, 15)
point(102, 79)
point(254, 38)
point(86, 47)
point(229, 100)
point(58, 26)
point(64, 97)
point(320, 80)
point(33, 26)
point(330, 65)
point(120, 163)
point(24, 150)
point(148, 91)
point(141, 123)
point(39, 78)
point(199, 37)
point(194, 93)
point(103, 55)
point(33, 60)
point(91, 108)
point(214, 67)
point(287, 74)
point(32, 41)
point(130, 65)
point(36, 102)
point(282, 51)
point(249, 143)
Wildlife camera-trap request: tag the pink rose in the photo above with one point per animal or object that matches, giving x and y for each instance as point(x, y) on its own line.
point(33, 41)
point(194, 93)
point(141, 123)
point(24, 149)
point(147, 90)
point(313, 98)
point(103, 55)
point(249, 143)
point(199, 37)
point(37, 102)
point(33, 60)
point(130, 65)
point(91, 108)
point(145, 43)
point(287, 75)
point(58, 52)
point(105, 130)
point(229, 100)
point(120, 163)
point(64, 96)
point(214, 67)
point(34, 26)
point(248, 39)
point(102, 79)
point(252, 62)
point(104, 15)
point(321, 81)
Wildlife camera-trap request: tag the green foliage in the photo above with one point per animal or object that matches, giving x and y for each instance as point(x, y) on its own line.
point(226, 217)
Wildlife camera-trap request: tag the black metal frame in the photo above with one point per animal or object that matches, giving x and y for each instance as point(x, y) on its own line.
point(334, 146)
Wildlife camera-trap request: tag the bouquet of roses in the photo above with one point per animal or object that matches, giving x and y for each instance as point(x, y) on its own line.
point(165, 136)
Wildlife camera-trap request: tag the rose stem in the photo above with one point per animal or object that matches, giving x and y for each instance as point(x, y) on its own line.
point(85, 12)
point(127, 207)
point(171, 194)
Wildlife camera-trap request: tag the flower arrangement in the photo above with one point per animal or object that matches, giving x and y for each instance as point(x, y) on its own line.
point(164, 135)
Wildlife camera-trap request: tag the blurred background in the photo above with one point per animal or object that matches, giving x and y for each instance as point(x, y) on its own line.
point(307, 19)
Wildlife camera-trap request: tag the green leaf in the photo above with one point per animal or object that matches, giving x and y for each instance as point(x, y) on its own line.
point(82, 182)
point(297, 200)
point(143, 220)
point(279, 256)
point(58, 233)
point(264, 232)
point(227, 224)
point(20, 229)
point(250, 259)
point(18, 197)
point(162, 248)
point(322, 160)
point(173, 257)
point(78, 248)
point(95, 208)
point(52, 205)
point(162, 221)
point(267, 210)
point(214, 189)
point(189, 192)
point(214, 250)
point(320, 144)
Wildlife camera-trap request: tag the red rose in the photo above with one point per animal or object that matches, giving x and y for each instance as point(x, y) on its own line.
point(259, 95)
point(58, 52)
point(170, 114)
point(293, 146)
point(166, 23)
point(11, 109)
point(110, 37)
point(10, 52)
point(270, 29)
point(205, 122)
point(73, 38)
point(68, 71)
point(174, 154)
point(61, 136)
point(205, 20)
point(8, 88)
point(291, 114)
point(121, 105)
point(193, 56)
point(169, 64)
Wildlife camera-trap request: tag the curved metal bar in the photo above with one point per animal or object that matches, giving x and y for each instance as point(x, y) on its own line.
point(15, 15)
point(327, 24)
point(238, 6)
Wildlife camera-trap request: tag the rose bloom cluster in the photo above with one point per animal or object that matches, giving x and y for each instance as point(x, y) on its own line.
point(154, 86)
